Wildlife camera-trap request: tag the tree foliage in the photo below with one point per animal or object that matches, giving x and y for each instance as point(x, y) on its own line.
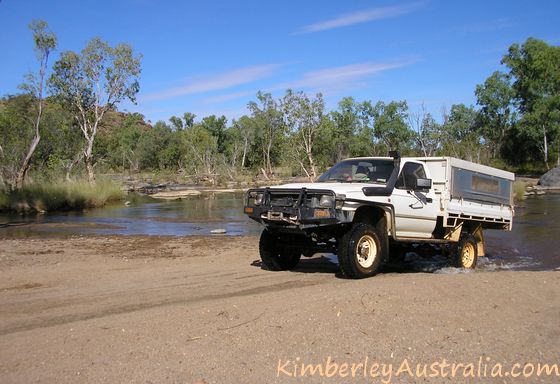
point(535, 68)
point(45, 43)
point(93, 82)
point(516, 121)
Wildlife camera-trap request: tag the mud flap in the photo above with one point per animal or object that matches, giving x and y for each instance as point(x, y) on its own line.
point(381, 226)
point(477, 233)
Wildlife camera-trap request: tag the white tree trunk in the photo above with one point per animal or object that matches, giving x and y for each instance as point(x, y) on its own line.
point(245, 148)
point(545, 148)
point(88, 159)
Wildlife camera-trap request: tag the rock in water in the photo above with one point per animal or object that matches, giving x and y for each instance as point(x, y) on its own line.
point(551, 178)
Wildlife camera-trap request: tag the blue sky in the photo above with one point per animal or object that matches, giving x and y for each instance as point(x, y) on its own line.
point(211, 57)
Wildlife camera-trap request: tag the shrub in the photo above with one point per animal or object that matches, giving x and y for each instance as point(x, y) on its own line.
point(519, 188)
point(60, 197)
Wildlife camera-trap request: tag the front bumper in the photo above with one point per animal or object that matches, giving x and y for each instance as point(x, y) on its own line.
point(294, 208)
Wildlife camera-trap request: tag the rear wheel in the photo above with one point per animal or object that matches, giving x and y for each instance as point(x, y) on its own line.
point(359, 252)
point(465, 254)
point(274, 255)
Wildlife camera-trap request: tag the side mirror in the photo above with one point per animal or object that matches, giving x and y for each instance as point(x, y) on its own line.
point(423, 184)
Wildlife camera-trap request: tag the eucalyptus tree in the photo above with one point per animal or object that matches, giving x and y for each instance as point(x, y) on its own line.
point(535, 70)
point(426, 130)
point(460, 133)
point(243, 130)
point(304, 119)
point(346, 122)
point(200, 152)
point(45, 43)
point(16, 130)
point(217, 127)
point(390, 125)
point(270, 128)
point(497, 113)
point(92, 82)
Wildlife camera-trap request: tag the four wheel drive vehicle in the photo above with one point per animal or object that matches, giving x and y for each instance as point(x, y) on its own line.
point(370, 211)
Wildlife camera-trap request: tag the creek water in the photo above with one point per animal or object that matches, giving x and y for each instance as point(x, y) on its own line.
point(533, 244)
point(142, 215)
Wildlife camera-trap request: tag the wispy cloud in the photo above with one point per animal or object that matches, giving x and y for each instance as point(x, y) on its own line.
point(227, 97)
point(359, 17)
point(487, 26)
point(216, 82)
point(326, 80)
point(343, 77)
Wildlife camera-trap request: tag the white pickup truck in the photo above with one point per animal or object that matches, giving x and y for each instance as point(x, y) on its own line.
point(369, 211)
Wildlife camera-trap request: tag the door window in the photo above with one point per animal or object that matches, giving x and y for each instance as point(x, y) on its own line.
point(409, 174)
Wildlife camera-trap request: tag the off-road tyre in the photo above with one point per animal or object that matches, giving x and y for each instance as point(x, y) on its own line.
point(360, 252)
point(465, 253)
point(274, 255)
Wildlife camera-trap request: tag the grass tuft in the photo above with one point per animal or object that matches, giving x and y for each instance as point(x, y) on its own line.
point(519, 188)
point(60, 197)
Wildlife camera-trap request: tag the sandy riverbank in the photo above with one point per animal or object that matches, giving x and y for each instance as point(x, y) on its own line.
point(200, 309)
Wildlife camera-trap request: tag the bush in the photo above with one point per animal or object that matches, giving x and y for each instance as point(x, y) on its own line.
point(60, 197)
point(519, 188)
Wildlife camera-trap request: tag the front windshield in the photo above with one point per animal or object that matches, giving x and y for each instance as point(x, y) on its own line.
point(359, 171)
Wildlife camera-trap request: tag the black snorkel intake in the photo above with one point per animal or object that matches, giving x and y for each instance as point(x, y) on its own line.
point(387, 190)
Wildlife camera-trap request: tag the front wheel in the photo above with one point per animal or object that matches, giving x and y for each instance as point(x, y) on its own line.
point(274, 255)
point(360, 252)
point(465, 253)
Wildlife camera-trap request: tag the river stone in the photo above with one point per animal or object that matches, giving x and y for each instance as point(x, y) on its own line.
point(551, 178)
point(218, 231)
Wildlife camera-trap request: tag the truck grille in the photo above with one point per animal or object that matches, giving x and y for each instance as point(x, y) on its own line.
point(283, 200)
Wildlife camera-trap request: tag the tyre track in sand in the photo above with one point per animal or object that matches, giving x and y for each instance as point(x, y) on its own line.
point(77, 291)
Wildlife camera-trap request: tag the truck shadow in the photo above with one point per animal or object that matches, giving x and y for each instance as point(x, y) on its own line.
point(328, 264)
point(315, 264)
point(321, 264)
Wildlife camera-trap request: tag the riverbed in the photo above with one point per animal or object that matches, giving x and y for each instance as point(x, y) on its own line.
point(533, 244)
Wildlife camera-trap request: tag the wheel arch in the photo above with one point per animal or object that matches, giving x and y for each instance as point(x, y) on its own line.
point(379, 216)
point(376, 215)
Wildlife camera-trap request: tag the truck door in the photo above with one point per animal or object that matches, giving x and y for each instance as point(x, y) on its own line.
point(415, 211)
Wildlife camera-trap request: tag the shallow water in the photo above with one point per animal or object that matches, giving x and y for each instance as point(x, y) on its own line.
point(533, 244)
point(534, 241)
point(197, 215)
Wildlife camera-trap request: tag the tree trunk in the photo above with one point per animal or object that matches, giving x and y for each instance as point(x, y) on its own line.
point(245, 146)
point(71, 166)
point(264, 174)
point(545, 148)
point(268, 165)
point(305, 170)
point(89, 168)
point(27, 161)
point(88, 159)
point(312, 166)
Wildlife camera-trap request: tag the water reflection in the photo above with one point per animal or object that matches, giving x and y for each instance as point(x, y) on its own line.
point(143, 216)
point(533, 244)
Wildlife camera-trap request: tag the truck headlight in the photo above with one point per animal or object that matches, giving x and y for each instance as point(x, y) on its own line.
point(326, 201)
point(259, 198)
point(255, 198)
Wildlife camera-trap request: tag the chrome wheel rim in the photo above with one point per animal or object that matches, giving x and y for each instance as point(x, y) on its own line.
point(366, 251)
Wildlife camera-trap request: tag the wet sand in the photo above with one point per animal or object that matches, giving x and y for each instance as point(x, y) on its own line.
point(144, 309)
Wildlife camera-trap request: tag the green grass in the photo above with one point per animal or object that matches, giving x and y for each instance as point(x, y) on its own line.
point(60, 196)
point(519, 188)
